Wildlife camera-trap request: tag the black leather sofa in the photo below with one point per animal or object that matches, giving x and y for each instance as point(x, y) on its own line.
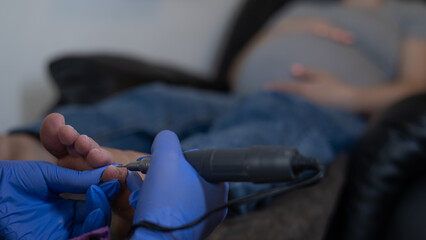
point(384, 194)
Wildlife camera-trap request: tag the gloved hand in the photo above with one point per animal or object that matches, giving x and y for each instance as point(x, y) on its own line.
point(31, 208)
point(174, 194)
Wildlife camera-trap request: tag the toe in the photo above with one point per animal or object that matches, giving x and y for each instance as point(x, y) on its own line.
point(49, 134)
point(84, 144)
point(78, 164)
point(98, 157)
point(112, 172)
point(67, 135)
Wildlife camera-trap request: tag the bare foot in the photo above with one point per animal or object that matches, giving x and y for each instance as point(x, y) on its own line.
point(80, 152)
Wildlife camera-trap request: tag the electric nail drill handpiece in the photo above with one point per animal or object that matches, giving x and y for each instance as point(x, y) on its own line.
point(257, 164)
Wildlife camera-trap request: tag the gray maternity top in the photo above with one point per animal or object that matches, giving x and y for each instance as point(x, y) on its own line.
point(371, 59)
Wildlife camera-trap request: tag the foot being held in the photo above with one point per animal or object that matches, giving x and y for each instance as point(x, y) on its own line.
point(80, 152)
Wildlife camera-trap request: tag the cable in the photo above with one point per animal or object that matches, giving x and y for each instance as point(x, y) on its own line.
point(296, 184)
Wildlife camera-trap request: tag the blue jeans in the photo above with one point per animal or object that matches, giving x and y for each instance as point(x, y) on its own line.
point(204, 119)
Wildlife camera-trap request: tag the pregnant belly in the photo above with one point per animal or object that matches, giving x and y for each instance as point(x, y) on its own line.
point(271, 61)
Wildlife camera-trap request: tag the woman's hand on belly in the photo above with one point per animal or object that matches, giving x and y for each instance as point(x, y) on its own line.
point(317, 86)
point(315, 25)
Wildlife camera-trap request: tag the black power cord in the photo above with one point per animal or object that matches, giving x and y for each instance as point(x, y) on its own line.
point(304, 181)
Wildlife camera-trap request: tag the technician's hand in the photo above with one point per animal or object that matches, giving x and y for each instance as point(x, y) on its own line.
point(173, 194)
point(317, 86)
point(31, 208)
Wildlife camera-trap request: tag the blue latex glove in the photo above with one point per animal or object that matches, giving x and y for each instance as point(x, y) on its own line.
point(174, 194)
point(31, 208)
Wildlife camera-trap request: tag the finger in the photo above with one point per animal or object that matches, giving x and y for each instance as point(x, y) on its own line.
point(80, 211)
point(97, 199)
point(134, 181)
point(322, 30)
point(76, 230)
point(62, 180)
point(95, 220)
point(341, 36)
point(110, 188)
point(134, 197)
point(335, 33)
point(298, 70)
point(167, 159)
point(303, 73)
point(166, 147)
point(309, 74)
point(165, 140)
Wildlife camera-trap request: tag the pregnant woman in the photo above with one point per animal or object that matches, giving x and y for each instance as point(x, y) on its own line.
point(311, 79)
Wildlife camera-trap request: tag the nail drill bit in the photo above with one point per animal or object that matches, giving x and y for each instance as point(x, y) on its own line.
point(258, 164)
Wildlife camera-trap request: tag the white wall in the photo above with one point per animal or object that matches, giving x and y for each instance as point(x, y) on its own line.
point(185, 33)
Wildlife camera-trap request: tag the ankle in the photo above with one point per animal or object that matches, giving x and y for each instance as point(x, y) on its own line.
point(25, 147)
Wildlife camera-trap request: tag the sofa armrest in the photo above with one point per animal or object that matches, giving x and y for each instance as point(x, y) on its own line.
point(388, 159)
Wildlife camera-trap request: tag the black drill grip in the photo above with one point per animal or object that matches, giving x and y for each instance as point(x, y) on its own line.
point(258, 164)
